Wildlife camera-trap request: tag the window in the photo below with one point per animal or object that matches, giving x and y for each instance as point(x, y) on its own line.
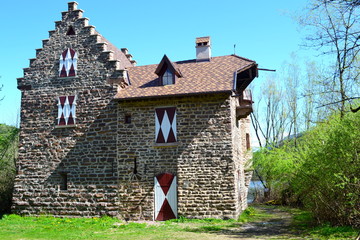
point(70, 31)
point(63, 181)
point(248, 141)
point(167, 71)
point(127, 118)
point(165, 125)
point(66, 110)
point(168, 77)
point(68, 63)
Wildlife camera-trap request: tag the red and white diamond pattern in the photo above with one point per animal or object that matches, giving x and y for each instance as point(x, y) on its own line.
point(66, 110)
point(165, 197)
point(165, 125)
point(68, 63)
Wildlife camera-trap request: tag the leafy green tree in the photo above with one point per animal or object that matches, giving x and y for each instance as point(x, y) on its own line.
point(321, 172)
point(8, 154)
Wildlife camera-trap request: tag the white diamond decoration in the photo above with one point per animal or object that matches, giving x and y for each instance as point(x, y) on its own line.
point(68, 62)
point(73, 108)
point(157, 126)
point(159, 197)
point(60, 110)
point(173, 126)
point(171, 196)
point(74, 62)
point(165, 126)
point(66, 110)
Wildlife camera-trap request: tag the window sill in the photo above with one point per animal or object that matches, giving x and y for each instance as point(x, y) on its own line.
point(164, 145)
point(64, 78)
point(66, 126)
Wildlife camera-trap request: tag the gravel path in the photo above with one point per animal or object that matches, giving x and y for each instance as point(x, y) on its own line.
point(278, 226)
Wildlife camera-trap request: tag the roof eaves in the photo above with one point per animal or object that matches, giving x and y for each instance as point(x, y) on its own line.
point(173, 95)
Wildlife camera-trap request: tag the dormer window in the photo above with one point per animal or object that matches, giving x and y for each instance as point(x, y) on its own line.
point(167, 72)
point(168, 77)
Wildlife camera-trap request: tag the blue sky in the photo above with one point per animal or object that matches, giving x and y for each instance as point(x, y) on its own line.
point(262, 31)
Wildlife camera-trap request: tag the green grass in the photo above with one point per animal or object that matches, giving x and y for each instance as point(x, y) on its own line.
point(13, 227)
point(252, 214)
point(45, 227)
point(305, 222)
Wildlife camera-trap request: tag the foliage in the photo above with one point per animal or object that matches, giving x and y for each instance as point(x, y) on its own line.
point(334, 31)
point(8, 149)
point(320, 172)
point(304, 221)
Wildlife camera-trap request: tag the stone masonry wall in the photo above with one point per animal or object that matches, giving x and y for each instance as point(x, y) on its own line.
point(241, 155)
point(202, 158)
point(85, 152)
point(110, 165)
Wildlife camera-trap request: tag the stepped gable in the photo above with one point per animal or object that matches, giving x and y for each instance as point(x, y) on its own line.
point(212, 76)
point(73, 31)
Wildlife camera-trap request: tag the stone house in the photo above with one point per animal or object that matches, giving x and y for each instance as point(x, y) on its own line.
point(101, 136)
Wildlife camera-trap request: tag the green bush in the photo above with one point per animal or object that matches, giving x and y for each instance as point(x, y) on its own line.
point(321, 172)
point(8, 150)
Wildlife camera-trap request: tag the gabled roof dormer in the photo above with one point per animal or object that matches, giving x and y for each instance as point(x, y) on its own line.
point(167, 72)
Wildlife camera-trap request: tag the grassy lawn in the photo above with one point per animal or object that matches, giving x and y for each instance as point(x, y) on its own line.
point(16, 227)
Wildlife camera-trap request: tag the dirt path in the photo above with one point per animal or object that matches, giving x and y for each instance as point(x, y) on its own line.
point(277, 226)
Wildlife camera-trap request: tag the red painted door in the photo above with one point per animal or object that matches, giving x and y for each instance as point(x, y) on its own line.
point(165, 197)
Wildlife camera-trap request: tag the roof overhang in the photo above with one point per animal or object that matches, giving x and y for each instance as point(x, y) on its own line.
point(244, 76)
point(173, 95)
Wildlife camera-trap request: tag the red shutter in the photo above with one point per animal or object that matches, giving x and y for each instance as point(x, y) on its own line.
point(61, 120)
point(68, 63)
point(66, 108)
point(165, 129)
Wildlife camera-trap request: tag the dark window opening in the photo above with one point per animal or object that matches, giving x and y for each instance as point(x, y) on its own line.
point(135, 171)
point(168, 77)
point(128, 118)
point(70, 31)
point(248, 141)
point(63, 181)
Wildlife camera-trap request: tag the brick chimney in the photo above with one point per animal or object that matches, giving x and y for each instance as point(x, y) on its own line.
point(72, 6)
point(203, 49)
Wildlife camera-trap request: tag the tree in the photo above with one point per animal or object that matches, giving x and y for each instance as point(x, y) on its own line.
point(344, 2)
point(1, 87)
point(8, 152)
point(271, 124)
point(310, 173)
point(335, 28)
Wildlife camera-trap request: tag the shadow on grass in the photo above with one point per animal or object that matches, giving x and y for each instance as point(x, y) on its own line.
point(276, 223)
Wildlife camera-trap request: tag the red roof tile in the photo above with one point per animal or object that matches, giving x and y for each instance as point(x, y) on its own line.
point(212, 76)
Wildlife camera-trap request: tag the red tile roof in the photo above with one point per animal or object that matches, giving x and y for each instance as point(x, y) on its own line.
point(212, 76)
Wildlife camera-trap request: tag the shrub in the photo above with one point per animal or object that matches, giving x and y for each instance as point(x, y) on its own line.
point(321, 172)
point(8, 149)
